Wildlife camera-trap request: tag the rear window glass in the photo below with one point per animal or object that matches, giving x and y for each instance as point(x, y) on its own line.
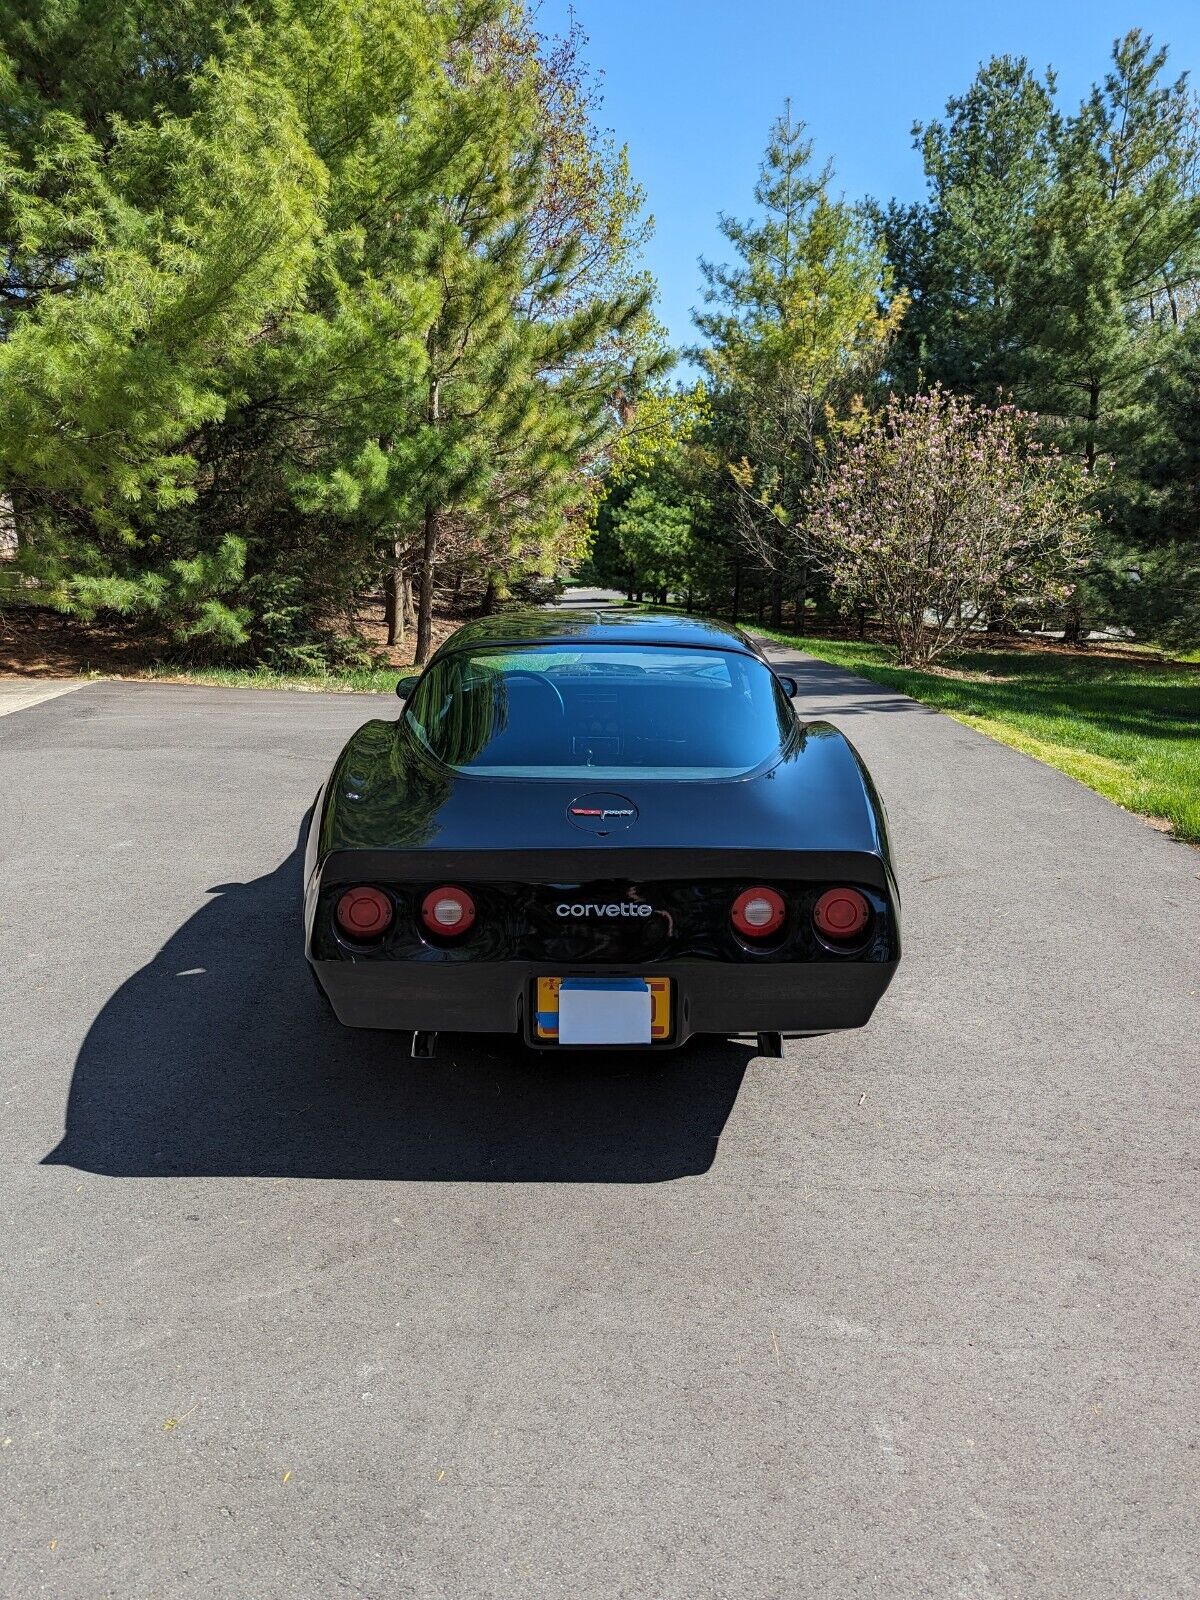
point(605, 710)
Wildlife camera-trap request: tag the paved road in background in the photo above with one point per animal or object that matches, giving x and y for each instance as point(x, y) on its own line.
point(287, 1315)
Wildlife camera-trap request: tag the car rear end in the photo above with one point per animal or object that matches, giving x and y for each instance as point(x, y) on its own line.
point(785, 943)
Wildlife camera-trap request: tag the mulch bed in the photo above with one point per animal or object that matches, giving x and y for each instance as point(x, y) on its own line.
point(35, 643)
point(38, 643)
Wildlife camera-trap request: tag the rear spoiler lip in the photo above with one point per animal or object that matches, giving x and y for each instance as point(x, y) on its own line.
point(574, 865)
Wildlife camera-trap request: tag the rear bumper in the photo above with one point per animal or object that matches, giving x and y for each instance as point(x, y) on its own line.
point(714, 998)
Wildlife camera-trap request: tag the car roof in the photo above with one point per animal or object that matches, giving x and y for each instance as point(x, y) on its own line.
point(599, 627)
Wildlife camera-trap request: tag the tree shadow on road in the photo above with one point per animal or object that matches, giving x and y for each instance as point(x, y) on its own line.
point(827, 691)
point(219, 1059)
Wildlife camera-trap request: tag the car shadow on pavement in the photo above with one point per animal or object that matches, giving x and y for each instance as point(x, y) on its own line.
point(220, 1059)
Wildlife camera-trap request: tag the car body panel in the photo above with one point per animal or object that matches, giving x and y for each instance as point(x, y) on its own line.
point(387, 793)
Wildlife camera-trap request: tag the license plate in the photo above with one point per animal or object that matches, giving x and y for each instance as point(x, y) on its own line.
point(603, 1011)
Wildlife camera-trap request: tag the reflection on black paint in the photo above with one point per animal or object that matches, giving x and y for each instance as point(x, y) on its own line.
point(382, 793)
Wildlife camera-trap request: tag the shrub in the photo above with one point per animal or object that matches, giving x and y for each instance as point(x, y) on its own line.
point(942, 513)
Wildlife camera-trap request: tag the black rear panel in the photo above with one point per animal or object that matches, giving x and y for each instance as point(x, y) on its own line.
point(560, 926)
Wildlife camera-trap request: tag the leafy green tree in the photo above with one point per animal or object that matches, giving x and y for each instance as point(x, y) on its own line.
point(654, 537)
point(1057, 260)
point(589, 206)
point(141, 256)
point(1118, 235)
point(652, 494)
point(1151, 575)
point(1113, 249)
point(504, 385)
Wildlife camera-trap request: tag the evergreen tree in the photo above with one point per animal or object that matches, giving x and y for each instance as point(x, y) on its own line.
point(1057, 260)
point(795, 330)
point(141, 254)
point(646, 521)
point(289, 292)
point(963, 255)
point(505, 393)
point(1116, 238)
point(1151, 578)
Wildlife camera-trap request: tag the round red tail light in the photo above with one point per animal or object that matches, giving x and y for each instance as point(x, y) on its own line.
point(364, 913)
point(841, 914)
point(757, 913)
point(448, 911)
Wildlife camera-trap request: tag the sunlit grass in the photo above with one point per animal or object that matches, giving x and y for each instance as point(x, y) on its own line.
point(353, 680)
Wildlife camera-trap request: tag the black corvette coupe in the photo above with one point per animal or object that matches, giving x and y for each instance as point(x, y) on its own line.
point(600, 829)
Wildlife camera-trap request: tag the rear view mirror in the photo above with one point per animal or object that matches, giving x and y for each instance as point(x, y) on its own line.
point(789, 686)
point(406, 685)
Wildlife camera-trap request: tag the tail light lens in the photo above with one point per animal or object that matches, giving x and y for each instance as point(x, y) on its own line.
point(364, 913)
point(757, 913)
point(841, 915)
point(448, 911)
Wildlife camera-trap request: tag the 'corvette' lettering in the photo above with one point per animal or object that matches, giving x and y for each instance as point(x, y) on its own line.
point(622, 909)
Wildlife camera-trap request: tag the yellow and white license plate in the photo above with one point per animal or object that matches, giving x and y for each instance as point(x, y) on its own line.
point(547, 1012)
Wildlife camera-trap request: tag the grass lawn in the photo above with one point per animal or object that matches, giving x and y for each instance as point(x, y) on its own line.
point(351, 680)
point(1128, 728)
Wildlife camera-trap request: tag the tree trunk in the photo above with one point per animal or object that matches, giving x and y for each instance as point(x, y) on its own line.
point(391, 606)
point(802, 598)
point(1093, 418)
point(429, 544)
point(1171, 301)
point(1074, 631)
point(488, 604)
point(433, 519)
point(776, 598)
point(11, 541)
point(394, 583)
point(737, 589)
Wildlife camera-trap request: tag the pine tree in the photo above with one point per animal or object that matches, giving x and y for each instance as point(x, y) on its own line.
point(795, 329)
point(510, 403)
point(142, 253)
point(653, 496)
point(1056, 261)
point(1116, 237)
point(292, 291)
point(963, 255)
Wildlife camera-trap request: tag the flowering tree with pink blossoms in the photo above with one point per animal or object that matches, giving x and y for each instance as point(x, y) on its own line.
point(939, 513)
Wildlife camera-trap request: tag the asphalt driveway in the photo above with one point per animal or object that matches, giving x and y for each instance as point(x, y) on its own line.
point(284, 1314)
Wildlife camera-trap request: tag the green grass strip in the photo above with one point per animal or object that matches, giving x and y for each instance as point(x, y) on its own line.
point(1128, 729)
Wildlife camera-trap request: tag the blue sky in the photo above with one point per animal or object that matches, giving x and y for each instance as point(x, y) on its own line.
point(692, 86)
